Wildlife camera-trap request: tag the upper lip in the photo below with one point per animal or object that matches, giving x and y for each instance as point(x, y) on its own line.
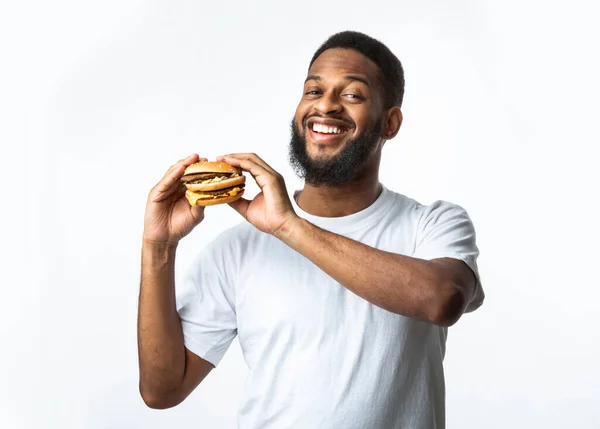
point(328, 122)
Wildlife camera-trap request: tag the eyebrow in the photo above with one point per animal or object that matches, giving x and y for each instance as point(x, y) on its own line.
point(358, 79)
point(349, 77)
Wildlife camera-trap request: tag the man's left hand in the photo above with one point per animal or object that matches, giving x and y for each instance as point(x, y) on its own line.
point(271, 211)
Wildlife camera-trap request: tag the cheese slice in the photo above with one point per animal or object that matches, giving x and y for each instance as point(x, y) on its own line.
point(193, 197)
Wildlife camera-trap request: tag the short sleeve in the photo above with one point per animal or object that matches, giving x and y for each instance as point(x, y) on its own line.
point(446, 231)
point(206, 304)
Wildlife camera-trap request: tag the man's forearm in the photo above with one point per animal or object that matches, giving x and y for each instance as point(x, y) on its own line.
point(404, 285)
point(160, 338)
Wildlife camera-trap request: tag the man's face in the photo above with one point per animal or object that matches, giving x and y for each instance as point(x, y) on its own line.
point(337, 125)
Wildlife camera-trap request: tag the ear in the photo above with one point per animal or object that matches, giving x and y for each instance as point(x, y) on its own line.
point(393, 121)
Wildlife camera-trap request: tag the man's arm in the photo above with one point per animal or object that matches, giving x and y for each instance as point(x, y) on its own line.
point(168, 371)
point(436, 291)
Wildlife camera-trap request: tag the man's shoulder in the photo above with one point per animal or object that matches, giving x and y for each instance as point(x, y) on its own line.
point(422, 211)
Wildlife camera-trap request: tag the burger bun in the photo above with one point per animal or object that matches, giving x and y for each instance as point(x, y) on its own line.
point(211, 167)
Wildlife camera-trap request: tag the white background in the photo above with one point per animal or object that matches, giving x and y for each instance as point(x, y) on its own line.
point(99, 98)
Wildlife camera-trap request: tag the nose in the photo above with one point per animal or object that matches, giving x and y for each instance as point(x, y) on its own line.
point(328, 103)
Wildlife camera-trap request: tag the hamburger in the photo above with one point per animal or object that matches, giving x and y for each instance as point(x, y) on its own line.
point(209, 183)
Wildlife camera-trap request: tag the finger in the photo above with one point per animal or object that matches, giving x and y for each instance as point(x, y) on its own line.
point(175, 192)
point(251, 157)
point(253, 168)
point(170, 180)
point(168, 186)
point(197, 212)
point(184, 161)
point(178, 191)
point(189, 160)
point(240, 206)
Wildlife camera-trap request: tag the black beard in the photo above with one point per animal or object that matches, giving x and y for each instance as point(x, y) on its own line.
point(337, 170)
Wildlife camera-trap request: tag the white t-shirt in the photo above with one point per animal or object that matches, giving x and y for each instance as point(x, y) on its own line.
point(320, 357)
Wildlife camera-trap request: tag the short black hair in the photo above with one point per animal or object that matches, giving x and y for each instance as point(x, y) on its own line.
point(392, 74)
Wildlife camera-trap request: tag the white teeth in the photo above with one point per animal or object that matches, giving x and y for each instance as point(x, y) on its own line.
point(320, 128)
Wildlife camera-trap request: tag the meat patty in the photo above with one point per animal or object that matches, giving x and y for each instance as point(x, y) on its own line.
point(221, 191)
point(190, 178)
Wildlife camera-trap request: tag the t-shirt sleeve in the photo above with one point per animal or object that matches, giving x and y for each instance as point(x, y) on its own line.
point(205, 300)
point(446, 231)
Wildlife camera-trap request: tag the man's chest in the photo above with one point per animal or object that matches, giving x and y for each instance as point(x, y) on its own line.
point(288, 302)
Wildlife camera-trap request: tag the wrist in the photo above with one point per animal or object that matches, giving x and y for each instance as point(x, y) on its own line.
point(158, 249)
point(291, 229)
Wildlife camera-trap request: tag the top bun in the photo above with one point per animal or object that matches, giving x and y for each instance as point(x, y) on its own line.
point(211, 167)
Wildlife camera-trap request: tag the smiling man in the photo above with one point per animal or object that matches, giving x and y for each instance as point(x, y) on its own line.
point(341, 295)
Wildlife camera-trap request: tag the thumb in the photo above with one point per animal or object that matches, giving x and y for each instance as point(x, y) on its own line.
point(240, 206)
point(197, 213)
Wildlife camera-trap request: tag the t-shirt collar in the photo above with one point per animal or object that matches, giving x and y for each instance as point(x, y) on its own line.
point(353, 221)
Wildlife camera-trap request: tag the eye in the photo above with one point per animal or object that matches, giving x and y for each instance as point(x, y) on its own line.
point(352, 96)
point(312, 92)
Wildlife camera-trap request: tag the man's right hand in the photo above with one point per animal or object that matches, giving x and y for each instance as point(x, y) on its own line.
point(169, 216)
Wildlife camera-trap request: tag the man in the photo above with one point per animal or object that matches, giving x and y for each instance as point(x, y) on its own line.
point(341, 296)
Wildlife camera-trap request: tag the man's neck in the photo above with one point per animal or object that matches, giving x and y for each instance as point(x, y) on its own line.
point(339, 201)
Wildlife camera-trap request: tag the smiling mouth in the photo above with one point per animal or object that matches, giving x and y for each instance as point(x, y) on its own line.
point(327, 129)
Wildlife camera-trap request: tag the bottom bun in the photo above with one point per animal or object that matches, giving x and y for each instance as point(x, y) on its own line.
point(211, 201)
